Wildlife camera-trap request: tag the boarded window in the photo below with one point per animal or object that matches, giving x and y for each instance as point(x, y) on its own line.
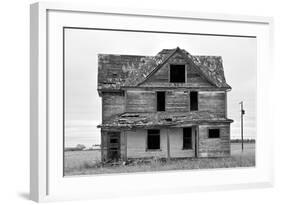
point(214, 133)
point(177, 73)
point(193, 100)
point(160, 101)
point(153, 139)
point(187, 138)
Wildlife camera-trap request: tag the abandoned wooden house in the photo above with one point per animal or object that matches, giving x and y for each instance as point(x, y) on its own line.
point(171, 105)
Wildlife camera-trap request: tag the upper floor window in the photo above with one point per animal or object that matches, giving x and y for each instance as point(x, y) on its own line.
point(177, 73)
point(193, 100)
point(161, 101)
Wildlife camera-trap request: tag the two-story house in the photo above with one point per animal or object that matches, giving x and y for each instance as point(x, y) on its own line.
point(171, 105)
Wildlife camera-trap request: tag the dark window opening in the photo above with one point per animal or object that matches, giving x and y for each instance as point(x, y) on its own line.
point(187, 138)
point(153, 139)
point(114, 140)
point(177, 73)
point(214, 133)
point(160, 101)
point(193, 100)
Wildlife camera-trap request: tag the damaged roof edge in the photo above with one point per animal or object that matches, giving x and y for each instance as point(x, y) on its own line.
point(116, 71)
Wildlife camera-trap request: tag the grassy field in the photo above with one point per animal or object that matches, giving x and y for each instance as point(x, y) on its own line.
point(87, 162)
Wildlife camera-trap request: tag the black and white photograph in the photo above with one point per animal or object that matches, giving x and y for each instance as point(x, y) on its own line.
point(148, 101)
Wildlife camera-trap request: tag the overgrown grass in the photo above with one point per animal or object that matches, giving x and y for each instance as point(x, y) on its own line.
point(87, 163)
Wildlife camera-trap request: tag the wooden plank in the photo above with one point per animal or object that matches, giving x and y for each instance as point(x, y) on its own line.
point(125, 143)
point(212, 101)
point(141, 101)
point(168, 145)
point(112, 104)
point(225, 106)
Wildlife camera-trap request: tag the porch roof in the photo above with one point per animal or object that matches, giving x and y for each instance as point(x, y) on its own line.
point(163, 119)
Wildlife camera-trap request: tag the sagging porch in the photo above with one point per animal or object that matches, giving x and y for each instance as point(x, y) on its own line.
point(128, 135)
point(160, 142)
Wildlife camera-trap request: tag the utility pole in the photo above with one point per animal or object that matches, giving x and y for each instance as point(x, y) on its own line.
point(242, 113)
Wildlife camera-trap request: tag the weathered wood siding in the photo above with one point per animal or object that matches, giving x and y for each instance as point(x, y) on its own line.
point(140, 101)
point(209, 147)
point(176, 144)
point(104, 145)
point(177, 101)
point(212, 101)
point(123, 145)
point(113, 103)
point(136, 144)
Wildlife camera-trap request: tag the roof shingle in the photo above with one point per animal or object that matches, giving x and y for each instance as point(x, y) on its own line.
point(117, 71)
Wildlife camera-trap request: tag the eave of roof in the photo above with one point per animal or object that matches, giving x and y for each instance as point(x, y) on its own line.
point(163, 119)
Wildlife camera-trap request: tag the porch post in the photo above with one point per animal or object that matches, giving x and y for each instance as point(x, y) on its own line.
point(125, 142)
point(196, 140)
point(168, 145)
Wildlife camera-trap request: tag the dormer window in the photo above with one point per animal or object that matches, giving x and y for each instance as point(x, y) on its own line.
point(177, 73)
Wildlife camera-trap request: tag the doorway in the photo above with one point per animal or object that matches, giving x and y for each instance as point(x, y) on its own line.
point(114, 146)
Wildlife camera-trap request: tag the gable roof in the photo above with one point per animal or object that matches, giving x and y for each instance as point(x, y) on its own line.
point(117, 71)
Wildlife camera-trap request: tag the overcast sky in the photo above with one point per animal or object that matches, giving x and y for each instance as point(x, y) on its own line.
point(83, 105)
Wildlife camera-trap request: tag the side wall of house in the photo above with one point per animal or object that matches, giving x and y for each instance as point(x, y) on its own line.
point(140, 101)
point(212, 101)
point(113, 103)
point(214, 147)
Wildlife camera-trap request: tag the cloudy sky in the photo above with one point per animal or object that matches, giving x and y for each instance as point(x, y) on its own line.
point(83, 105)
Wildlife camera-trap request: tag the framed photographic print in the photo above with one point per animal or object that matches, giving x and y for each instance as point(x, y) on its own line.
point(151, 101)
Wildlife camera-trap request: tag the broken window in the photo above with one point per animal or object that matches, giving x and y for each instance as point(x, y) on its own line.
point(160, 101)
point(187, 138)
point(177, 73)
point(193, 100)
point(214, 133)
point(153, 139)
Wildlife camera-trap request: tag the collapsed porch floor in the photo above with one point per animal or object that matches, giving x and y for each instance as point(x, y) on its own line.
point(154, 119)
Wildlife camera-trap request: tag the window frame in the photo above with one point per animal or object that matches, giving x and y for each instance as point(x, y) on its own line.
point(147, 136)
point(215, 128)
point(171, 64)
